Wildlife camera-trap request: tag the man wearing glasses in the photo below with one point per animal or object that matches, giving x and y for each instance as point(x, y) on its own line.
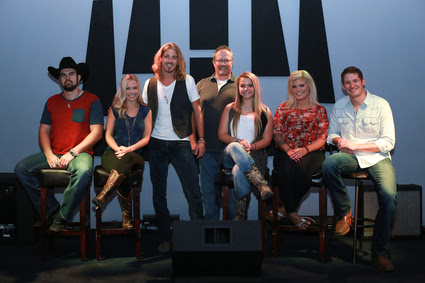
point(216, 92)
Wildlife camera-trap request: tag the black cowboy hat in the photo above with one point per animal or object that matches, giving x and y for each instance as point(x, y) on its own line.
point(67, 62)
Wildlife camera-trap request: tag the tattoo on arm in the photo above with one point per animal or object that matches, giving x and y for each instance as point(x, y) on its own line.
point(278, 139)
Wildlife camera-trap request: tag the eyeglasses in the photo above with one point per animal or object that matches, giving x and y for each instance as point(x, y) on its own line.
point(223, 61)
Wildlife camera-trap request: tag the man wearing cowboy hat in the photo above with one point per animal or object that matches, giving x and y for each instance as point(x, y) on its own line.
point(71, 124)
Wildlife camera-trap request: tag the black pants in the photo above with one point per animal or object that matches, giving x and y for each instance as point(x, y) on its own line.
point(295, 177)
point(124, 166)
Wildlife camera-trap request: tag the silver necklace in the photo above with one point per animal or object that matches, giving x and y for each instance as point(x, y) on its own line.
point(165, 94)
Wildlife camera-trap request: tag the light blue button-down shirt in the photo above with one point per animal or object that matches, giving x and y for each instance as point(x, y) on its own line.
point(373, 123)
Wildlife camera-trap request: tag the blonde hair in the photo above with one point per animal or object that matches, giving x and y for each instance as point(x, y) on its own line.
point(180, 72)
point(120, 100)
point(257, 104)
point(301, 74)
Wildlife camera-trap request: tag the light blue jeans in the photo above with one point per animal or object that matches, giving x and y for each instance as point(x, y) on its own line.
point(81, 168)
point(383, 176)
point(208, 168)
point(240, 161)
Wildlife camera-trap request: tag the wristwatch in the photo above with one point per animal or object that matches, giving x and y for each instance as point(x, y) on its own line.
point(73, 153)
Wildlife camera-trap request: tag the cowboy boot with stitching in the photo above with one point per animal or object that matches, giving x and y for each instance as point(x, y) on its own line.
point(241, 207)
point(114, 180)
point(126, 205)
point(257, 179)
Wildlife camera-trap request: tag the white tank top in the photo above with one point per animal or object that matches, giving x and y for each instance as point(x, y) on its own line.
point(246, 128)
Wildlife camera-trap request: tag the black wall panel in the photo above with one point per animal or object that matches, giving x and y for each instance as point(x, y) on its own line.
point(313, 55)
point(269, 56)
point(144, 37)
point(209, 24)
point(101, 54)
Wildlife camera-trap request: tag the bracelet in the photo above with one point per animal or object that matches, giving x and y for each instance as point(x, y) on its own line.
point(254, 146)
point(73, 153)
point(237, 140)
point(308, 151)
point(201, 141)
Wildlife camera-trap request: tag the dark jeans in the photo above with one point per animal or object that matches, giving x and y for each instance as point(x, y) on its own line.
point(124, 166)
point(295, 177)
point(383, 176)
point(179, 154)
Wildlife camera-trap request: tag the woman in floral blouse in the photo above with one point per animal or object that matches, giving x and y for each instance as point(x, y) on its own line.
point(300, 131)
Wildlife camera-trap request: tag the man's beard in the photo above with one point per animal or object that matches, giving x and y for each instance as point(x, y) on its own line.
point(70, 87)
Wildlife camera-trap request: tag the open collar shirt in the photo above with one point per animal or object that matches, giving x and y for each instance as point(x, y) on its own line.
point(373, 123)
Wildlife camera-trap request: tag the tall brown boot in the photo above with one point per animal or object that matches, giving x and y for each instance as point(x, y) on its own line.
point(113, 182)
point(241, 207)
point(126, 206)
point(255, 177)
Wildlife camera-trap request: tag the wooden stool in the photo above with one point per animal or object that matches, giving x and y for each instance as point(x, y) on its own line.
point(226, 179)
point(359, 220)
point(321, 228)
point(59, 178)
point(109, 227)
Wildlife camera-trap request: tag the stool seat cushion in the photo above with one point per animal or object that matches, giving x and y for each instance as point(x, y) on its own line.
point(226, 177)
point(54, 177)
point(357, 175)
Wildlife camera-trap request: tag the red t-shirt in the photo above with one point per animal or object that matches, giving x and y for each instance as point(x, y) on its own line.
point(71, 125)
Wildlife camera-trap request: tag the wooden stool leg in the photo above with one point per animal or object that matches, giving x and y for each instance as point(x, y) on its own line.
point(136, 211)
point(226, 203)
point(83, 225)
point(98, 233)
point(43, 228)
point(356, 203)
point(322, 222)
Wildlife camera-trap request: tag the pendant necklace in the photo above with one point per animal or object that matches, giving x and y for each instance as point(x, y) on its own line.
point(165, 94)
point(129, 127)
point(70, 100)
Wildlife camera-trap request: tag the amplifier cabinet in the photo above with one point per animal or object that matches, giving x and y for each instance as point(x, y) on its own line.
point(409, 210)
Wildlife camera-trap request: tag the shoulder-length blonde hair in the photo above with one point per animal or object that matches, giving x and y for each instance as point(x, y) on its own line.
point(301, 74)
point(120, 100)
point(180, 72)
point(257, 105)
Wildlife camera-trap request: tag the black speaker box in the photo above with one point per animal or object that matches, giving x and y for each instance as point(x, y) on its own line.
point(409, 210)
point(210, 248)
point(16, 213)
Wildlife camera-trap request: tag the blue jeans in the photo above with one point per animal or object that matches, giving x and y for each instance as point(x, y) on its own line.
point(81, 168)
point(208, 168)
point(236, 157)
point(179, 154)
point(383, 176)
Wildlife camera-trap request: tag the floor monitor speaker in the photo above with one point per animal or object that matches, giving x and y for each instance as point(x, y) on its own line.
point(226, 248)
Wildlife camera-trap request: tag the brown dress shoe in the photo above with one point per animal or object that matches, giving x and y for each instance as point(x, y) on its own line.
point(382, 263)
point(342, 227)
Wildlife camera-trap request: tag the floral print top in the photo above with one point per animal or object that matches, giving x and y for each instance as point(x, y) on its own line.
point(301, 127)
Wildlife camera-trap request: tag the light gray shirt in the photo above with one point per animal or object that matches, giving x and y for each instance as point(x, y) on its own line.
point(373, 123)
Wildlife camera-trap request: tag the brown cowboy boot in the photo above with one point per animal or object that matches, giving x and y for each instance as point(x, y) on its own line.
point(126, 206)
point(113, 182)
point(241, 207)
point(255, 177)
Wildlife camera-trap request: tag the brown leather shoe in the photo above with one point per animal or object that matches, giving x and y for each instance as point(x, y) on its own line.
point(382, 263)
point(342, 227)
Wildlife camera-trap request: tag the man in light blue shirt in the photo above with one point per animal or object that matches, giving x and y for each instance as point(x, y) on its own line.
point(362, 127)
